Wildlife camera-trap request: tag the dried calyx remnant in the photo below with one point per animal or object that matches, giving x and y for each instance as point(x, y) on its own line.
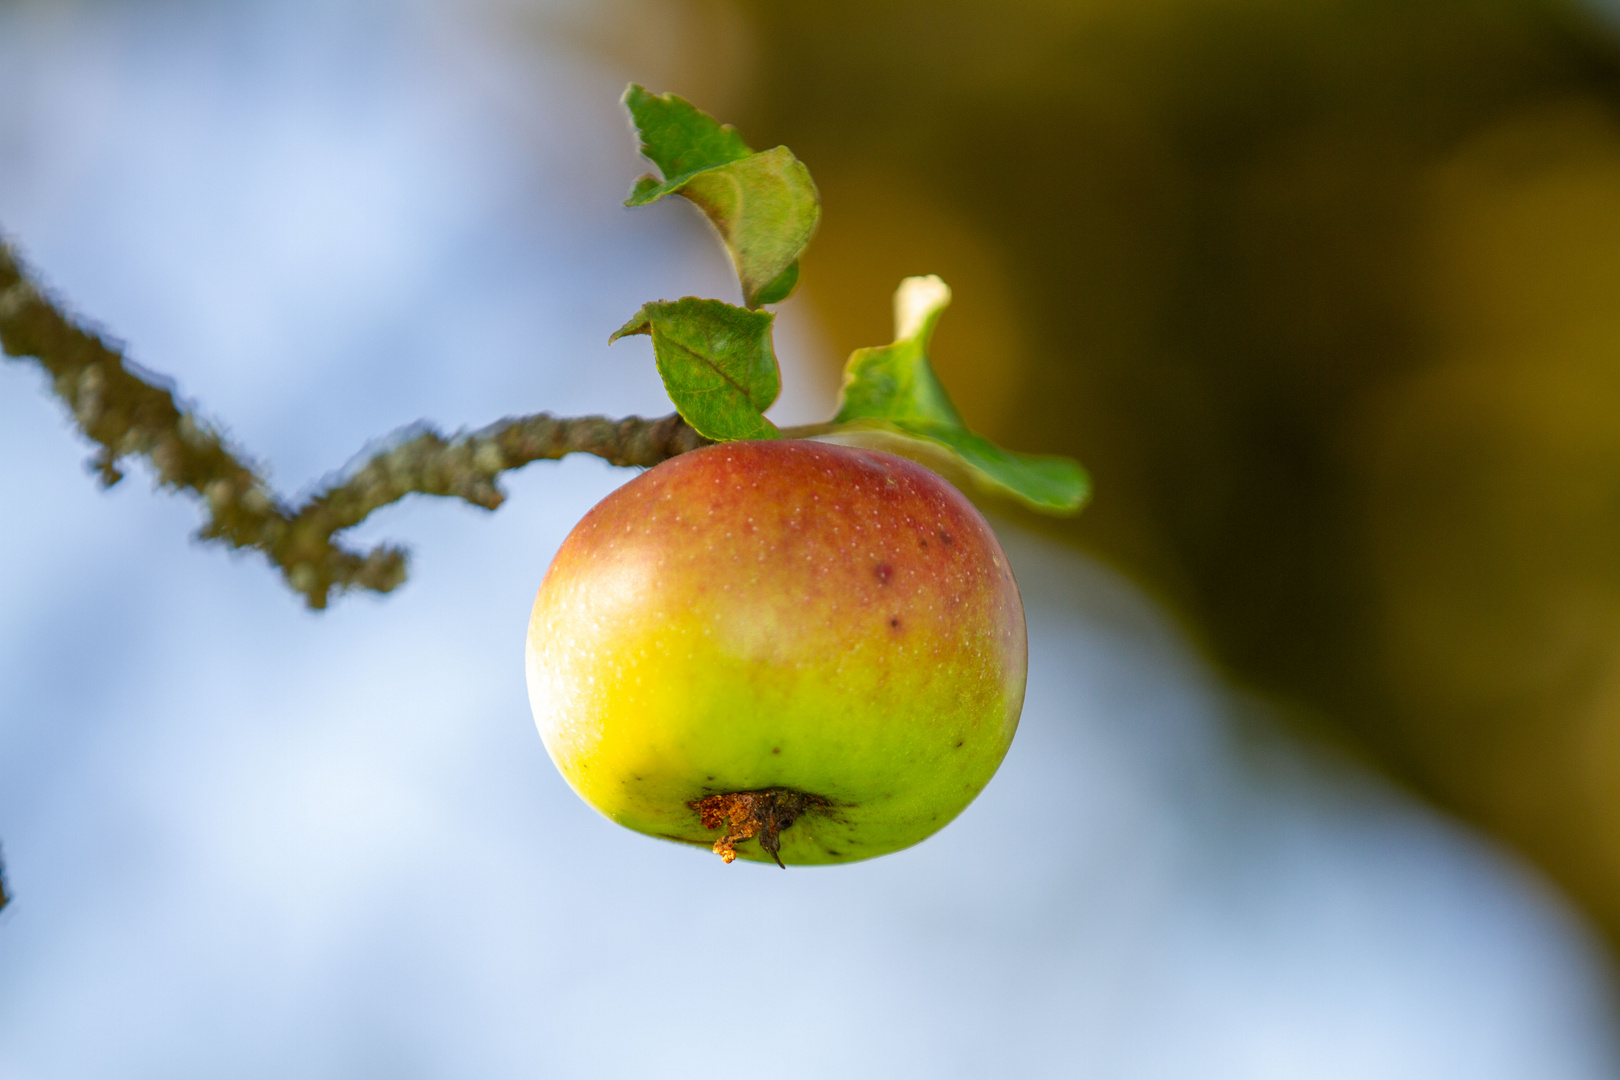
point(746, 814)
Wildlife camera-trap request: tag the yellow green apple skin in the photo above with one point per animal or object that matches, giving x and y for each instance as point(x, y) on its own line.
point(781, 614)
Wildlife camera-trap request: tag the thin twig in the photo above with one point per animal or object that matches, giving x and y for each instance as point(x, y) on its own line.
point(129, 413)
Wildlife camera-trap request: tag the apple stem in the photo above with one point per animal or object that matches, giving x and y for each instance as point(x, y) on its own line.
point(746, 814)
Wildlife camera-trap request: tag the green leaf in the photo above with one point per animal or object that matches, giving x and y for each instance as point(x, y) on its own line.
point(780, 288)
point(1043, 482)
point(893, 400)
point(716, 362)
point(764, 205)
point(896, 382)
point(678, 137)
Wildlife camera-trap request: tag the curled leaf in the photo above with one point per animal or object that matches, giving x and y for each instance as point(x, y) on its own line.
point(764, 205)
point(893, 400)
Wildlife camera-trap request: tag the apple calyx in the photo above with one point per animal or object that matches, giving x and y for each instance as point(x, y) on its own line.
point(746, 814)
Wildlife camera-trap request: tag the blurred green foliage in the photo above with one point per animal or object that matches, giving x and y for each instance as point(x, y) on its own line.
point(1326, 295)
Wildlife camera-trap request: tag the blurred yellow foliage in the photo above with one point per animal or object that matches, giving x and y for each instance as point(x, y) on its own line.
point(1325, 294)
point(1493, 480)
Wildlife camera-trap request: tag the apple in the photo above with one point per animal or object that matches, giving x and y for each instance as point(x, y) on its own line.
point(785, 649)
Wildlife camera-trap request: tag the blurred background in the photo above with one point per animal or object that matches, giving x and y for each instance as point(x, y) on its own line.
point(1319, 774)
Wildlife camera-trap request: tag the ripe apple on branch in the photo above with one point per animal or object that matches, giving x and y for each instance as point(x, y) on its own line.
point(811, 645)
point(793, 637)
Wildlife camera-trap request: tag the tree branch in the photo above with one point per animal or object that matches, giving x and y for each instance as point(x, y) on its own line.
point(131, 413)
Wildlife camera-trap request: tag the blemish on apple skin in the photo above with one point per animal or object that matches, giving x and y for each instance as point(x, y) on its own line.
point(883, 572)
point(894, 622)
point(776, 749)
